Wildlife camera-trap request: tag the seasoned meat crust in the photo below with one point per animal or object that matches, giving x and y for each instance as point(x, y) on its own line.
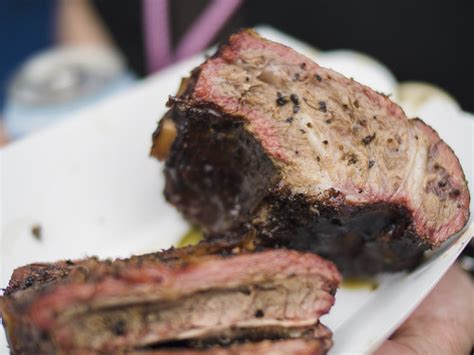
point(192, 299)
point(265, 138)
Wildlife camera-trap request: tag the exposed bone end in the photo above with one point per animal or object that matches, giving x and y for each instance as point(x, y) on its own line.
point(163, 139)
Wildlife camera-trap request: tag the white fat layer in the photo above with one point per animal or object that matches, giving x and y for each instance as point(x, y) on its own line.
point(418, 172)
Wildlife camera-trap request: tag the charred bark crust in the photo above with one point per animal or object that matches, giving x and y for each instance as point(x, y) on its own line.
point(217, 174)
point(219, 177)
point(360, 240)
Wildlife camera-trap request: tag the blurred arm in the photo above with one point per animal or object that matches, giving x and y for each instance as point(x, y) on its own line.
point(78, 23)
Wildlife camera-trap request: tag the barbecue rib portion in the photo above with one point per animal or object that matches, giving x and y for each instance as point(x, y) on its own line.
point(261, 136)
point(179, 300)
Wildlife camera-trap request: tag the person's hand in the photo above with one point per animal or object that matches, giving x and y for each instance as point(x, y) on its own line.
point(442, 324)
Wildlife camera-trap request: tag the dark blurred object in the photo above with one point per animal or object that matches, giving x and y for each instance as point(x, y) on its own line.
point(125, 22)
point(25, 27)
point(425, 40)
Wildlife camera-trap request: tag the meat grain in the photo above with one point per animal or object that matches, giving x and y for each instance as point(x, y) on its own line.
point(225, 299)
point(265, 138)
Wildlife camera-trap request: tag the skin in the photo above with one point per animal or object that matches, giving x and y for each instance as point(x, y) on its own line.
point(442, 324)
point(77, 23)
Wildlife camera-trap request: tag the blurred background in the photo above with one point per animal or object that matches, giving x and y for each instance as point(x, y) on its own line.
point(61, 55)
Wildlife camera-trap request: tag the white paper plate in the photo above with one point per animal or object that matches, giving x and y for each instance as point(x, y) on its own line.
point(90, 185)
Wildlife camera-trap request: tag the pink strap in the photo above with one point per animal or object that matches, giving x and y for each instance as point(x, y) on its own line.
point(202, 31)
point(206, 27)
point(157, 34)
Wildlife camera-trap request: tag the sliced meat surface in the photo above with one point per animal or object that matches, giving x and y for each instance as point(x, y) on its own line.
point(163, 298)
point(260, 135)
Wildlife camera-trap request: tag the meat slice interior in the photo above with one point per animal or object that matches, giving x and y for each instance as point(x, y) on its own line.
point(309, 159)
point(177, 300)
